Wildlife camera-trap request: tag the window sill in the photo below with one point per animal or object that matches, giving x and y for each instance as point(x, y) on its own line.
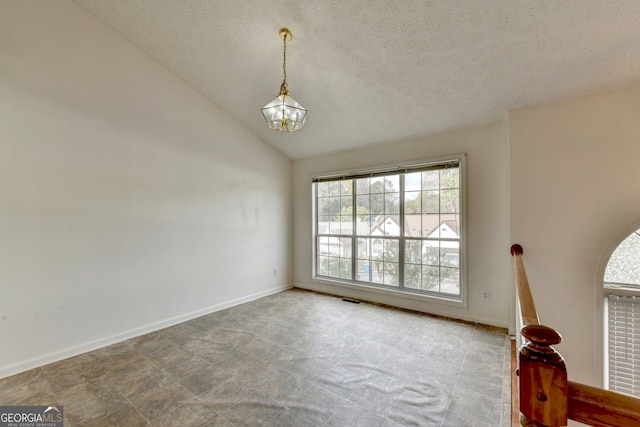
point(423, 297)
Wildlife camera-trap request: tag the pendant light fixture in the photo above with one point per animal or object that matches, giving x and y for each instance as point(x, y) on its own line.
point(285, 113)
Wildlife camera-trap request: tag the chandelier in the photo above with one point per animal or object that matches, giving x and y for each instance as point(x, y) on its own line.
point(285, 113)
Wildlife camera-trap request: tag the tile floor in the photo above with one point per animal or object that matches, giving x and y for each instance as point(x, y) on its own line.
point(296, 358)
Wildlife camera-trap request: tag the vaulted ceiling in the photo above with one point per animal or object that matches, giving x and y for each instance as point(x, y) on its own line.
point(375, 71)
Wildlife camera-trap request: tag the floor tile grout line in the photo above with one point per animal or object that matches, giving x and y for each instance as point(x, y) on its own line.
point(132, 405)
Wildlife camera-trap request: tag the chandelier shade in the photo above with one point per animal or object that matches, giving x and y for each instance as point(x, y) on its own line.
point(284, 113)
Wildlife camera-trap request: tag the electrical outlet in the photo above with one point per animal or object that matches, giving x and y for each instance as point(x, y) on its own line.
point(485, 295)
point(275, 272)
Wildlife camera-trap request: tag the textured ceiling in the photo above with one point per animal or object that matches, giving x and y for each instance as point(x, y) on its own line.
point(374, 71)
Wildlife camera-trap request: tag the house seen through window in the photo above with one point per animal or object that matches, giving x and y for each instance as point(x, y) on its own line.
point(622, 304)
point(399, 229)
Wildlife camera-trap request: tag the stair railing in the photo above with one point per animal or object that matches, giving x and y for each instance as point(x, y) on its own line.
point(546, 397)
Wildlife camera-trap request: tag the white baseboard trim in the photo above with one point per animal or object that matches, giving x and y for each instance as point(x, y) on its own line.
point(56, 356)
point(401, 301)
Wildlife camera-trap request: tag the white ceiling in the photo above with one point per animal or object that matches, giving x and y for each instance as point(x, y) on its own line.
point(375, 71)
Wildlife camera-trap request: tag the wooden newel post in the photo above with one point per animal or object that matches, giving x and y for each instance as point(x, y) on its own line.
point(544, 387)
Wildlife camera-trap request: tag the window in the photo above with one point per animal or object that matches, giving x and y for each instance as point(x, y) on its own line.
point(400, 229)
point(622, 289)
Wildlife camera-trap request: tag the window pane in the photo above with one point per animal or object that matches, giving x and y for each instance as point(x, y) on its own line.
point(377, 272)
point(449, 257)
point(412, 202)
point(322, 188)
point(323, 224)
point(376, 248)
point(431, 278)
point(431, 226)
point(431, 252)
point(370, 224)
point(331, 247)
point(323, 265)
point(333, 227)
point(412, 276)
point(346, 205)
point(324, 206)
point(450, 280)
point(334, 206)
point(323, 245)
point(363, 186)
point(450, 178)
point(390, 250)
point(362, 204)
point(390, 226)
point(346, 225)
point(334, 267)
point(377, 204)
point(362, 251)
point(344, 247)
point(430, 180)
point(377, 185)
point(364, 270)
point(413, 252)
point(334, 188)
point(413, 181)
point(450, 201)
point(431, 201)
point(390, 273)
point(451, 222)
point(346, 188)
point(392, 203)
point(392, 183)
point(413, 225)
point(345, 268)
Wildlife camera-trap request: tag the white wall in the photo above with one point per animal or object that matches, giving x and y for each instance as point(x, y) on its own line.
point(127, 201)
point(487, 219)
point(575, 186)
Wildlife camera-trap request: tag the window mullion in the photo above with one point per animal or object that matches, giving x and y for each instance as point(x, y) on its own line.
point(402, 234)
point(354, 231)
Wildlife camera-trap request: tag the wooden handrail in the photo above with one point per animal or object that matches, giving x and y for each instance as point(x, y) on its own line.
point(525, 299)
point(546, 397)
point(602, 408)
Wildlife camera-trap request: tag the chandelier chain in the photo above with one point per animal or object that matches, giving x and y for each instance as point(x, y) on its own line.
point(284, 62)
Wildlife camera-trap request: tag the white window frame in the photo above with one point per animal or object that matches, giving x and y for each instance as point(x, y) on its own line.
point(618, 383)
point(445, 298)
